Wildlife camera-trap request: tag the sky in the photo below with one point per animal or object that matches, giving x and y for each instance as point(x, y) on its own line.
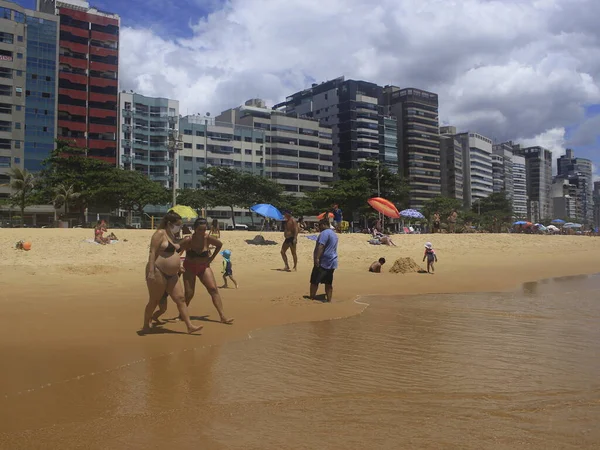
point(521, 70)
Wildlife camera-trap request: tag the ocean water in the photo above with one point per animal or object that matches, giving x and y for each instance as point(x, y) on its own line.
point(516, 370)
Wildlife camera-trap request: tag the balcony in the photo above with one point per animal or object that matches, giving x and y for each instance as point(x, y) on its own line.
point(95, 112)
point(103, 82)
point(100, 143)
point(73, 93)
point(74, 46)
point(97, 128)
point(76, 142)
point(102, 67)
point(75, 31)
point(73, 77)
point(101, 98)
point(103, 51)
point(126, 128)
point(72, 126)
point(159, 131)
point(100, 36)
point(73, 62)
point(73, 110)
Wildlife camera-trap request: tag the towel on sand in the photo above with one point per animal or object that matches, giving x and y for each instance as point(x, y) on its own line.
point(91, 241)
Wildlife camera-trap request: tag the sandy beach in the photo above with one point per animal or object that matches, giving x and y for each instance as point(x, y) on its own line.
point(71, 308)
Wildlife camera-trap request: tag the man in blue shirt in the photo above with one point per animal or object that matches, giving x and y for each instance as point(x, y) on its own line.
point(338, 217)
point(325, 260)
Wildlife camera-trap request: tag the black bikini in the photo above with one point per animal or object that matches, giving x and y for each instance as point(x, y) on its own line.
point(195, 254)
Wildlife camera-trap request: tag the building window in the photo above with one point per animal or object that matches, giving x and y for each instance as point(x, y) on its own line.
point(248, 152)
point(19, 73)
point(17, 160)
point(187, 132)
point(17, 144)
point(19, 55)
point(7, 38)
point(199, 146)
point(200, 133)
point(187, 145)
point(20, 38)
point(247, 139)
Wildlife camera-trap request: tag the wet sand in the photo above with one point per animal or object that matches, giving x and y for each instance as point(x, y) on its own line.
point(74, 366)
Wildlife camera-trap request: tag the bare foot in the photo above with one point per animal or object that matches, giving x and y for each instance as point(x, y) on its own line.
point(286, 269)
point(194, 329)
point(157, 321)
point(295, 270)
point(146, 330)
point(227, 321)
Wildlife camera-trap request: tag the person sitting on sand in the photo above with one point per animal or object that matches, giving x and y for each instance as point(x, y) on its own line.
point(227, 269)
point(377, 265)
point(290, 233)
point(162, 271)
point(197, 266)
point(430, 256)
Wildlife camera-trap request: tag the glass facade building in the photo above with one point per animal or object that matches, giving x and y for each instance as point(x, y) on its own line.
point(40, 94)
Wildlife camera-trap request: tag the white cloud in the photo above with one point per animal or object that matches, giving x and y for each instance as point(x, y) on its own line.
point(505, 69)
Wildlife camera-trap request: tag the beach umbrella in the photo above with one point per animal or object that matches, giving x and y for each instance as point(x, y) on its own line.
point(412, 214)
point(322, 216)
point(520, 222)
point(552, 228)
point(384, 207)
point(572, 225)
point(268, 211)
point(186, 212)
point(558, 221)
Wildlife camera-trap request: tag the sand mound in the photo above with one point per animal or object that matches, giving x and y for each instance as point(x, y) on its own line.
point(405, 265)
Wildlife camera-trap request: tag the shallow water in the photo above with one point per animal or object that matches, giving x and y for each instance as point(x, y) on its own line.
point(471, 371)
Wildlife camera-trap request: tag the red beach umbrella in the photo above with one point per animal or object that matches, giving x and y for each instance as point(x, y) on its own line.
point(322, 216)
point(384, 206)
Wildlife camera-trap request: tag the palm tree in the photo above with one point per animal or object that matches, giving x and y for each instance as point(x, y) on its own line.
point(22, 183)
point(64, 195)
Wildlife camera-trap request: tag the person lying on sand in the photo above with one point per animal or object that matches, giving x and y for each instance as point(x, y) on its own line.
point(377, 265)
point(162, 271)
point(197, 266)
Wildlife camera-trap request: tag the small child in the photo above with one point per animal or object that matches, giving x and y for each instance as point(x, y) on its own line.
point(431, 257)
point(377, 265)
point(227, 268)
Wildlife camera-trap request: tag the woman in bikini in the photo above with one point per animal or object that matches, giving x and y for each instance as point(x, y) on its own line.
point(162, 270)
point(197, 265)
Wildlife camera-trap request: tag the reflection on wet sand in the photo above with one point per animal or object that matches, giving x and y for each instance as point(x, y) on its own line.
point(471, 371)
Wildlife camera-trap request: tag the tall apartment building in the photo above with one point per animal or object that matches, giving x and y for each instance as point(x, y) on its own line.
point(566, 200)
point(353, 111)
point(296, 152)
point(520, 199)
point(502, 164)
point(538, 161)
point(578, 171)
point(451, 164)
point(147, 128)
point(88, 76)
point(28, 85)
point(478, 179)
point(389, 143)
point(596, 204)
point(418, 140)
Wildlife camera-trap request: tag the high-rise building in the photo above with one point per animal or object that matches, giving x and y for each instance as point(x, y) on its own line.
point(578, 171)
point(418, 140)
point(88, 76)
point(147, 128)
point(28, 85)
point(478, 179)
point(502, 163)
point(565, 200)
point(596, 204)
point(520, 199)
point(538, 161)
point(389, 143)
point(353, 111)
point(296, 152)
point(451, 164)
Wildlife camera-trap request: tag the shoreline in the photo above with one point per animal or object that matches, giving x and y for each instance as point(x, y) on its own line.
point(83, 303)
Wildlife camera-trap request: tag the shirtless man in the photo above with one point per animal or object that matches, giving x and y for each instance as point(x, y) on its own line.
point(290, 233)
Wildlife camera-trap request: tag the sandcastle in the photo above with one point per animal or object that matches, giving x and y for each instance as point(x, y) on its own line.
point(406, 265)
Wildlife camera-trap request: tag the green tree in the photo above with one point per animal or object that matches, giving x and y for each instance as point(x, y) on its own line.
point(23, 184)
point(495, 211)
point(254, 189)
point(64, 195)
point(96, 181)
point(135, 191)
point(194, 198)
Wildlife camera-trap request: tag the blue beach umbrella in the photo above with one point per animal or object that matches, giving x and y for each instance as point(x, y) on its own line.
point(520, 222)
point(412, 214)
point(268, 211)
point(559, 221)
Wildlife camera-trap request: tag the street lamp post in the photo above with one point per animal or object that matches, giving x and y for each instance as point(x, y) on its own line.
point(175, 143)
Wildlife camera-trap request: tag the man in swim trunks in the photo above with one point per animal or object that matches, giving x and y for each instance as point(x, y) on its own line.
point(290, 233)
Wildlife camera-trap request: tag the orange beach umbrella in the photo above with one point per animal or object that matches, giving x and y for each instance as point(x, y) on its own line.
point(384, 206)
point(322, 216)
